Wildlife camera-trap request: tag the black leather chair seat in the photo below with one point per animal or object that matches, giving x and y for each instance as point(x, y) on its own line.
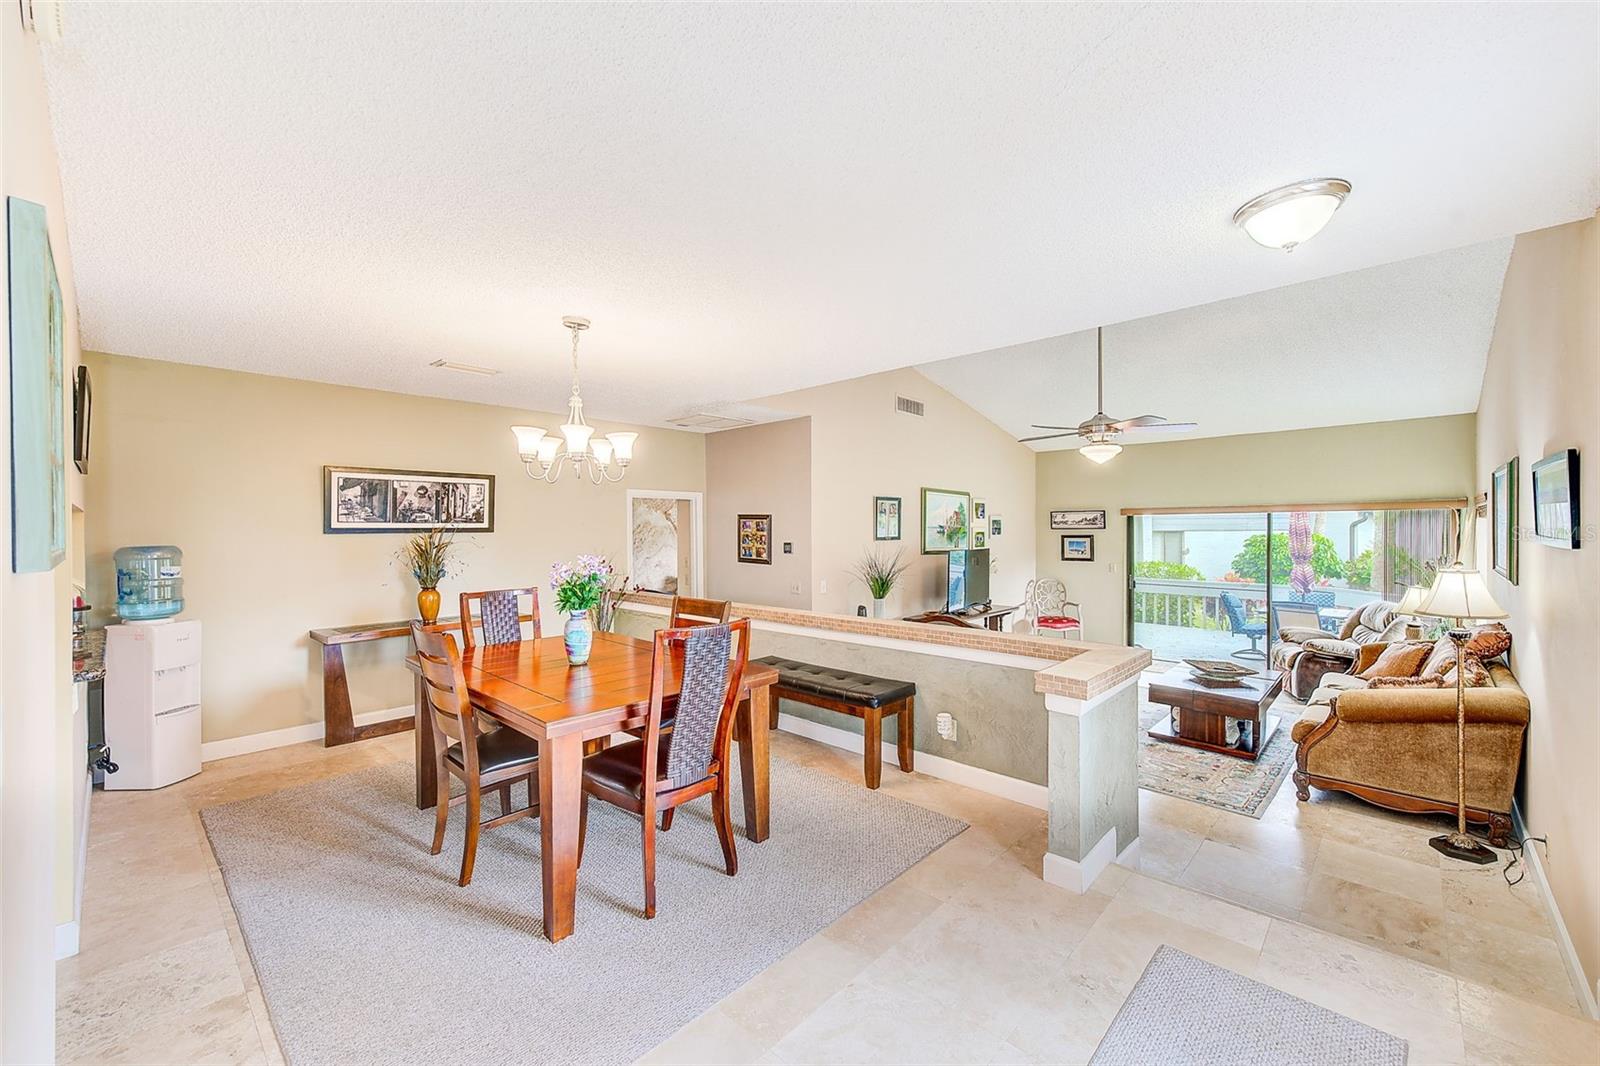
point(621, 766)
point(498, 750)
point(843, 685)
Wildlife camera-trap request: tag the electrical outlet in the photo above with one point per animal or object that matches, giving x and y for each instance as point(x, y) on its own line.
point(823, 587)
point(796, 590)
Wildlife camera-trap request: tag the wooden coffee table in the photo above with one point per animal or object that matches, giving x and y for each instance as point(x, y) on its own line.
point(1200, 713)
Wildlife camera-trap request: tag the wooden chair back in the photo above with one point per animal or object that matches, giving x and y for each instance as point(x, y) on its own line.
point(445, 685)
point(713, 661)
point(500, 616)
point(691, 611)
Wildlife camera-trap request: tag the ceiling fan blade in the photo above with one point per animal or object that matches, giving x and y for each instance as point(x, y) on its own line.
point(1162, 425)
point(1068, 428)
point(1141, 420)
point(1047, 436)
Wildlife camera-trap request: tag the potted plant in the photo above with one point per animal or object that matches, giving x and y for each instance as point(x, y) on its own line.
point(580, 588)
point(426, 555)
point(879, 573)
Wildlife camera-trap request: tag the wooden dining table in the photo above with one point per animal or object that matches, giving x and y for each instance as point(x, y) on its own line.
point(530, 687)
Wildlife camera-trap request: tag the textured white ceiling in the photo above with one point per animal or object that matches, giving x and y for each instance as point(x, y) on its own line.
point(1405, 340)
point(754, 198)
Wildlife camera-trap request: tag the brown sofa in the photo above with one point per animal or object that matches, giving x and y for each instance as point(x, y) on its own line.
point(1396, 747)
point(1306, 656)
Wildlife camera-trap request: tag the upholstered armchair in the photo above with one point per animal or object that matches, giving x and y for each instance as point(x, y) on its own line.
point(1305, 654)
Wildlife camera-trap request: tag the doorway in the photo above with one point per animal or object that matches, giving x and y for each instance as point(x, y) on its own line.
point(666, 541)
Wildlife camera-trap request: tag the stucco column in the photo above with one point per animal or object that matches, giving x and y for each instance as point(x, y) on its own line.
point(1094, 784)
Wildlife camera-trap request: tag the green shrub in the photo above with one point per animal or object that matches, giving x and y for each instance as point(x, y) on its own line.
point(1251, 562)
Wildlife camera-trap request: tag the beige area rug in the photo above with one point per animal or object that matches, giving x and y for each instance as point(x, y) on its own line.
point(367, 951)
point(1187, 1012)
point(1221, 781)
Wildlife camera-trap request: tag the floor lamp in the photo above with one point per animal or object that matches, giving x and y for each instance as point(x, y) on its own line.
point(1460, 595)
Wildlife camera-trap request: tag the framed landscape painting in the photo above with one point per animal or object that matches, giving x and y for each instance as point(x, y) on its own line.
point(1503, 506)
point(38, 394)
point(1077, 520)
point(359, 499)
point(755, 538)
point(1077, 549)
point(886, 518)
point(946, 520)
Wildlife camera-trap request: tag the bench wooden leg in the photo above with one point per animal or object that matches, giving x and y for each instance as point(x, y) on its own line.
point(872, 753)
point(906, 732)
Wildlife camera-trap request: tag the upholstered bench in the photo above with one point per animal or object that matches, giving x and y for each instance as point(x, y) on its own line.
point(861, 695)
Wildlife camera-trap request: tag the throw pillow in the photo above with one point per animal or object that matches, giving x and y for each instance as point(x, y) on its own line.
point(1400, 659)
point(1489, 642)
point(1476, 675)
point(1366, 655)
point(1408, 682)
point(1440, 659)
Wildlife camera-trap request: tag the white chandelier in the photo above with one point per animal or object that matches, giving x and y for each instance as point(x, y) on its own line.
point(602, 459)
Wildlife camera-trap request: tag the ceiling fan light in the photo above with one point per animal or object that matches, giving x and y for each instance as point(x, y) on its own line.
point(1100, 451)
point(1289, 216)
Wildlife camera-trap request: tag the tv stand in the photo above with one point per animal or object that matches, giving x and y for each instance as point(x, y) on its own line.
point(990, 617)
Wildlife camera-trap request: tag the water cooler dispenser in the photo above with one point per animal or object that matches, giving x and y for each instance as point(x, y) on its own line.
point(152, 687)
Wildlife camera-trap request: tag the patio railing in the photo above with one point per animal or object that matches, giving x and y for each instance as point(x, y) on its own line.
point(1198, 604)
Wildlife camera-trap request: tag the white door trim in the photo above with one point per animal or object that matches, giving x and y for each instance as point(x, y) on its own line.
point(697, 511)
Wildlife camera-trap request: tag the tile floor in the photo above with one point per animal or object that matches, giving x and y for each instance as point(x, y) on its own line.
point(967, 957)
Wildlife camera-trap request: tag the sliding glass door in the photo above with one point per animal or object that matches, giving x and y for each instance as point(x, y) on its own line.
point(1222, 585)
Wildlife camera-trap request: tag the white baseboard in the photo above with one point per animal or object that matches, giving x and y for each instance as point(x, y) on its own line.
point(1569, 953)
point(282, 738)
point(66, 940)
point(1077, 876)
point(67, 932)
point(1025, 792)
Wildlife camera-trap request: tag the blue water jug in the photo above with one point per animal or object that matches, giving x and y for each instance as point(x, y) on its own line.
point(149, 582)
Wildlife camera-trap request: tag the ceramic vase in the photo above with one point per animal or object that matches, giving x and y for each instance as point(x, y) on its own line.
point(880, 608)
point(428, 606)
point(578, 635)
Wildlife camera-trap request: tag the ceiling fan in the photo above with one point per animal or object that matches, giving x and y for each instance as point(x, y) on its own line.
point(1101, 431)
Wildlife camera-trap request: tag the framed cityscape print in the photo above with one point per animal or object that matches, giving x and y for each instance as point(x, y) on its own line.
point(1077, 520)
point(755, 538)
point(1077, 549)
point(946, 520)
point(1503, 506)
point(886, 518)
point(359, 499)
point(1555, 500)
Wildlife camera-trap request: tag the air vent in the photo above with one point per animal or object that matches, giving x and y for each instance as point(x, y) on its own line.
point(708, 421)
point(907, 406)
point(464, 368)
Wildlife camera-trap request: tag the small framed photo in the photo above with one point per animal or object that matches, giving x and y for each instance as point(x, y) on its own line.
point(994, 526)
point(979, 539)
point(1503, 505)
point(755, 539)
point(1555, 500)
point(1077, 520)
point(980, 511)
point(1077, 549)
point(886, 518)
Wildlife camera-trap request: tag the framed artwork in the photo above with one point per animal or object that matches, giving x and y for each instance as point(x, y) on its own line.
point(1503, 534)
point(980, 512)
point(755, 538)
point(980, 539)
point(359, 499)
point(886, 518)
point(82, 399)
point(946, 521)
point(1556, 520)
point(1077, 549)
point(994, 526)
point(1077, 520)
point(38, 394)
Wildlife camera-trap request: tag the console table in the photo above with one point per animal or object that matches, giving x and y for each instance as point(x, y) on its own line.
point(988, 619)
point(338, 722)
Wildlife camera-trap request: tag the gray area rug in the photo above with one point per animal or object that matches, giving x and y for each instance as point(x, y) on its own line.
point(367, 951)
point(1186, 1012)
point(1221, 781)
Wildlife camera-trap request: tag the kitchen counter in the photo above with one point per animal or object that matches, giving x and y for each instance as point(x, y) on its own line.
point(90, 664)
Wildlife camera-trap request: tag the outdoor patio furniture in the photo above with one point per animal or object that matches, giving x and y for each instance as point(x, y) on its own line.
point(1240, 624)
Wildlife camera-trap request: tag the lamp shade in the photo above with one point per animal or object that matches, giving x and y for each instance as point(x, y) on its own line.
point(600, 448)
point(1412, 600)
point(528, 438)
point(623, 444)
point(1460, 593)
point(1100, 451)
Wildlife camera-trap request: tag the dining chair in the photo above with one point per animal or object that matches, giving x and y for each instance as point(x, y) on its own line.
point(500, 616)
point(693, 611)
point(497, 759)
point(664, 770)
point(1049, 609)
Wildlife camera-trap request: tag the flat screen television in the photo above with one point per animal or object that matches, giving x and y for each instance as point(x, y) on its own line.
point(967, 578)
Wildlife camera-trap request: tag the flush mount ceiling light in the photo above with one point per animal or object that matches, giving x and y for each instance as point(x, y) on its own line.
point(1288, 217)
point(602, 459)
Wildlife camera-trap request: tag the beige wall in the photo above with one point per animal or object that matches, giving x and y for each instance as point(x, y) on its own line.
point(228, 466)
point(861, 448)
point(1541, 393)
point(40, 771)
point(1381, 461)
point(760, 470)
